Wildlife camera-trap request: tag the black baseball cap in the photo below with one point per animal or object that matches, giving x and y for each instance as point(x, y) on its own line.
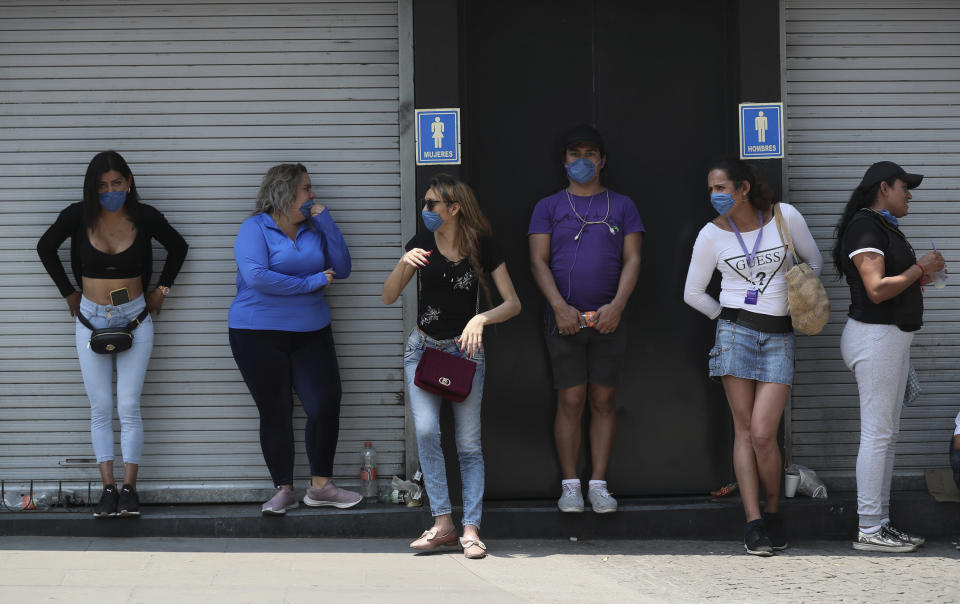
point(884, 170)
point(584, 133)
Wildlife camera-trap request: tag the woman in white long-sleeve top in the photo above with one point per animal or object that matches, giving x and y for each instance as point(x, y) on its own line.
point(754, 350)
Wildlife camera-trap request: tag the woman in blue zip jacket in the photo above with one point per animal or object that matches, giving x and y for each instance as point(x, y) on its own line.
point(288, 253)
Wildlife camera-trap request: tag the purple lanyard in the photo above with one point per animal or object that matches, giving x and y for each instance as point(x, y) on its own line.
point(749, 255)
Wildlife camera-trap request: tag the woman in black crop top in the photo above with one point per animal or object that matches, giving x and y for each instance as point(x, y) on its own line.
point(111, 255)
point(452, 259)
point(886, 309)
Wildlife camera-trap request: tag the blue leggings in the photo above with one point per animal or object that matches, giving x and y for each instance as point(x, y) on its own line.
point(273, 364)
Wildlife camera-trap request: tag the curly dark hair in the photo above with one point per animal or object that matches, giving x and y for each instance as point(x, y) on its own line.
point(739, 172)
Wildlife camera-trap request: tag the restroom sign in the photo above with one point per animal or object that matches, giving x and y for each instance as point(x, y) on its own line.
point(761, 130)
point(438, 136)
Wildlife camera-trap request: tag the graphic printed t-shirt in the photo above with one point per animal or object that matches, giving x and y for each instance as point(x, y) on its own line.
point(717, 249)
point(586, 270)
point(448, 290)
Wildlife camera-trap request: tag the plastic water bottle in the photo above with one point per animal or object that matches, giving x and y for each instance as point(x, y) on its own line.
point(416, 497)
point(24, 501)
point(394, 496)
point(368, 472)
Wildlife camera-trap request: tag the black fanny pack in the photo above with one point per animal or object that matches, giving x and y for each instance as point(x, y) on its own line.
point(107, 340)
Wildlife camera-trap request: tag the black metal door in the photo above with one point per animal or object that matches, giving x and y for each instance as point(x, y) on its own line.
point(656, 80)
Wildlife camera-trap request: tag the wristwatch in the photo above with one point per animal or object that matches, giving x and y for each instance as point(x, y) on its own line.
point(164, 290)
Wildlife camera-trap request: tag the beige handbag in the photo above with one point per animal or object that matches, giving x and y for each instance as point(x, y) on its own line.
point(809, 306)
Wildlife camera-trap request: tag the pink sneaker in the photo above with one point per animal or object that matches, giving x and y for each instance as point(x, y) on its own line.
point(332, 495)
point(281, 501)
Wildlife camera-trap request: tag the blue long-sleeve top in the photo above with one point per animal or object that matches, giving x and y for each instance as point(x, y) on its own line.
point(280, 282)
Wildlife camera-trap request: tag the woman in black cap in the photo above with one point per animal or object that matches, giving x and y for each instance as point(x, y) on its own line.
point(886, 308)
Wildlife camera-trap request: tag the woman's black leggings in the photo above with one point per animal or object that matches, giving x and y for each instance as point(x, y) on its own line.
point(273, 364)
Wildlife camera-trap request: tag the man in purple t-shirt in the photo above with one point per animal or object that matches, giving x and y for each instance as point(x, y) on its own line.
point(585, 255)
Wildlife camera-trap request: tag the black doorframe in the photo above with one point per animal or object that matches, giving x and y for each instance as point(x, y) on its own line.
point(444, 72)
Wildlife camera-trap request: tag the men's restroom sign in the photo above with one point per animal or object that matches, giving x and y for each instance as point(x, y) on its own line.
point(438, 136)
point(761, 130)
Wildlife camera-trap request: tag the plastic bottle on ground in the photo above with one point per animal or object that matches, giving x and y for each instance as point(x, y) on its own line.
point(368, 472)
point(416, 496)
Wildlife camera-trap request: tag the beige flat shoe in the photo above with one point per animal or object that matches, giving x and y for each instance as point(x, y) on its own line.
point(473, 548)
point(430, 540)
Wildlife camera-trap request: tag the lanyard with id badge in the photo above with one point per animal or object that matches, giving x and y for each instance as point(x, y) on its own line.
point(752, 292)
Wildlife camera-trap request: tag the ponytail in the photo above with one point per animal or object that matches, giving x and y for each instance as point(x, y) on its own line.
point(859, 199)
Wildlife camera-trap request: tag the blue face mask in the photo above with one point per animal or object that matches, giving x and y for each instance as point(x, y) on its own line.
point(113, 200)
point(431, 220)
point(581, 170)
point(722, 202)
point(305, 208)
point(890, 218)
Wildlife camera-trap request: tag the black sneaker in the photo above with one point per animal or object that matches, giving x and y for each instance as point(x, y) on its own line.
point(755, 539)
point(108, 502)
point(129, 505)
point(776, 531)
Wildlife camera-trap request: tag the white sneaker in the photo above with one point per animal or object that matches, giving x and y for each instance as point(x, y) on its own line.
point(571, 500)
point(601, 500)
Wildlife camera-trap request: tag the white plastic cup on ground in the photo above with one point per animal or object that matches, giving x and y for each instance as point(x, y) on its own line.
point(790, 484)
point(938, 279)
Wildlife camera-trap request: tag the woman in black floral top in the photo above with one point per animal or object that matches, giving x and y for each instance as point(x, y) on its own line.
point(453, 257)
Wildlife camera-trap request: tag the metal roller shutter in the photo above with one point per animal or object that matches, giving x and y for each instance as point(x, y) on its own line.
point(200, 98)
point(867, 81)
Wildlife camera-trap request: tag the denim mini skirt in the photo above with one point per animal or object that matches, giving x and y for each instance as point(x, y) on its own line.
point(754, 355)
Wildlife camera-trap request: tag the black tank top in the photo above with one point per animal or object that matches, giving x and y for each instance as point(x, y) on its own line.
point(100, 265)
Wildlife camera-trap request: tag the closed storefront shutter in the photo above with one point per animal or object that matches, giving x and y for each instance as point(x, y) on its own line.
point(201, 99)
point(871, 81)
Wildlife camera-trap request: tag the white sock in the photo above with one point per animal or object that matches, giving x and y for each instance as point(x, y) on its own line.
point(870, 530)
point(596, 484)
point(885, 521)
point(571, 482)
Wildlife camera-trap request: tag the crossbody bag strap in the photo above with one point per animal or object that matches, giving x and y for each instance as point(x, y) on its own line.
point(785, 233)
point(128, 327)
point(138, 320)
point(83, 321)
point(476, 309)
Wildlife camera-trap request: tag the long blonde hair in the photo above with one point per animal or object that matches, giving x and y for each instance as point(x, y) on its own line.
point(473, 224)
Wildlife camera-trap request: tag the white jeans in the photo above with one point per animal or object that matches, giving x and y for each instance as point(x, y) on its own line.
point(97, 372)
point(879, 356)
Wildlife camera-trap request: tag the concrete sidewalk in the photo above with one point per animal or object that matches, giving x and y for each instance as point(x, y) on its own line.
point(207, 571)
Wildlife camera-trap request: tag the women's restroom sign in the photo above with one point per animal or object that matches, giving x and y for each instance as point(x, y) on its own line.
point(761, 130)
point(438, 136)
